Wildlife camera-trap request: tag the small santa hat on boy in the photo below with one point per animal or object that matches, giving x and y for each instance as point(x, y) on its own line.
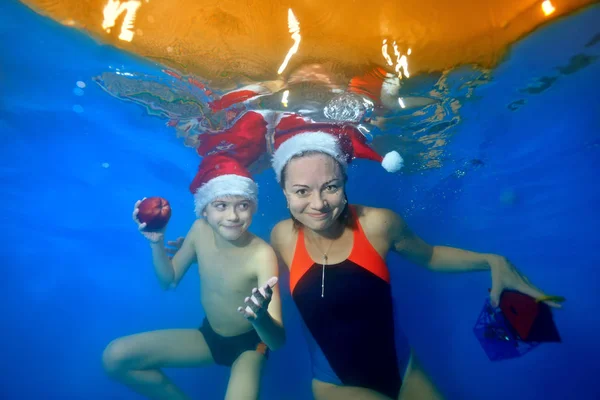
point(342, 142)
point(226, 159)
point(221, 175)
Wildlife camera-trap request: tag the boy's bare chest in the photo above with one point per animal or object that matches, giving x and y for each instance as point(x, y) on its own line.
point(224, 274)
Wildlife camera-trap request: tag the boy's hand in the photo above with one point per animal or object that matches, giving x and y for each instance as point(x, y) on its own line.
point(258, 303)
point(153, 237)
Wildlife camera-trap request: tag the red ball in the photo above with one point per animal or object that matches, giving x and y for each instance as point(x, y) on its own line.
point(155, 212)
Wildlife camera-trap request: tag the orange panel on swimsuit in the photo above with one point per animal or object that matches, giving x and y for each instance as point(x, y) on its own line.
point(363, 254)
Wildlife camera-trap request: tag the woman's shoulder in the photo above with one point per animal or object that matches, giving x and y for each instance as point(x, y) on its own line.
point(283, 225)
point(376, 219)
point(283, 239)
point(373, 213)
point(282, 230)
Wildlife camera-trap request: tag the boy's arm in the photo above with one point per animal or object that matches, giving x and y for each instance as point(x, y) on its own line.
point(170, 271)
point(269, 325)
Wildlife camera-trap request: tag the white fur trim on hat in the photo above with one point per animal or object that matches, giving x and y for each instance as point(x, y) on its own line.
point(311, 141)
point(392, 162)
point(224, 185)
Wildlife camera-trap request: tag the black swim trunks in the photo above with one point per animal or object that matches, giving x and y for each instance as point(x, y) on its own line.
point(226, 349)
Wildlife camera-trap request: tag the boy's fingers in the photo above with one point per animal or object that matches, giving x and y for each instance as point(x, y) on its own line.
point(272, 282)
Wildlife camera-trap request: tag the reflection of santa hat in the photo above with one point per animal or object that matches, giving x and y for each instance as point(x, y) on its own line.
point(342, 142)
point(219, 176)
point(238, 96)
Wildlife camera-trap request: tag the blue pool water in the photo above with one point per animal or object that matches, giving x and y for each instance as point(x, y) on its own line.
point(76, 274)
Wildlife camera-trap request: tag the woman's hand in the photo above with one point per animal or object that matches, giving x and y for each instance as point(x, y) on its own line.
point(175, 246)
point(505, 276)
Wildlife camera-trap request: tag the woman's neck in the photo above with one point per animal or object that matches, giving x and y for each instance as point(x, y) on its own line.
point(335, 231)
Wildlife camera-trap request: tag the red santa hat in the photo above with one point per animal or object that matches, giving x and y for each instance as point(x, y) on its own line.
point(227, 155)
point(342, 142)
point(220, 175)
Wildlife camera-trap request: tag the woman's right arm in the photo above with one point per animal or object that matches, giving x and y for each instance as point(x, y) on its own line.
point(281, 236)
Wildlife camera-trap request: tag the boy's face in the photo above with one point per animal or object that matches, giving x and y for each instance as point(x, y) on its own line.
point(230, 216)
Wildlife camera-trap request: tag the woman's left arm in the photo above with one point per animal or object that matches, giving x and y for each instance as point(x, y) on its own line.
point(437, 258)
point(505, 276)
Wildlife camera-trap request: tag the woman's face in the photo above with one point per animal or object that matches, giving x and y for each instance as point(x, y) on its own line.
point(314, 188)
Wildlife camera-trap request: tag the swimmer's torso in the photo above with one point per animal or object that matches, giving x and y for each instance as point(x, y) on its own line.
point(350, 322)
point(226, 279)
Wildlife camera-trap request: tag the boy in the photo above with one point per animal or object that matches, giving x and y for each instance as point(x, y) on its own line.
point(232, 262)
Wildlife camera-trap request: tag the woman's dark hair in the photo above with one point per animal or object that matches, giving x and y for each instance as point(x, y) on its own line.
point(344, 217)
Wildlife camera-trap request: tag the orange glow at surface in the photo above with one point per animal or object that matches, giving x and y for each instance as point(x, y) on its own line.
point(547, 7)
point(231, 42)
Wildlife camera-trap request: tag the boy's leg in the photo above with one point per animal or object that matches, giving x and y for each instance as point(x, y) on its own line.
point(135, 360)
point(246, 373)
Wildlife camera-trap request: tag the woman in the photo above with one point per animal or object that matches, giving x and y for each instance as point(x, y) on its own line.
point(338, 276)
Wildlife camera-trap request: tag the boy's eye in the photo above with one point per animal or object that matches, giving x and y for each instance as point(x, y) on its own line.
point(244, 206)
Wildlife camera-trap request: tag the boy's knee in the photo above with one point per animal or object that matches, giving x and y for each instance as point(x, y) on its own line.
point(114, 356)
